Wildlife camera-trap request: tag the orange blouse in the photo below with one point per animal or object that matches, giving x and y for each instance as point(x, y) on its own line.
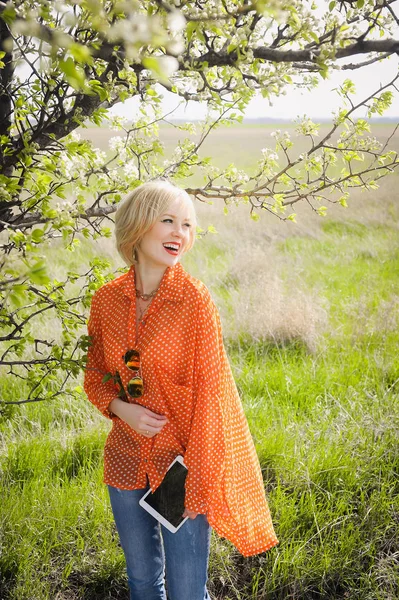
point(187, 377)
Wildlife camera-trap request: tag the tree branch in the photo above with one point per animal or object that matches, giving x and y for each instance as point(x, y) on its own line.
point(306, 55)
point(353, 66)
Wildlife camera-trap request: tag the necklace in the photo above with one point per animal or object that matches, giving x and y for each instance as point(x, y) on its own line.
point(141, 313)
point(145, 296)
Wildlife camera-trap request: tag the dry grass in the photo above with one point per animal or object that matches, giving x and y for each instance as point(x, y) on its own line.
point(267, 307)
point(367, 322)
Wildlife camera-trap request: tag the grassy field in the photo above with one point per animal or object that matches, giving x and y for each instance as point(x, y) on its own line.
point(311, 321)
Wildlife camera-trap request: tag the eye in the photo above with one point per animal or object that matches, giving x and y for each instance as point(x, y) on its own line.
point(187, 225)
point(167, 220)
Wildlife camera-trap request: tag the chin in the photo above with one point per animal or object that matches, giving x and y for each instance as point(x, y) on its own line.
point(174, 262)
point(170, 262)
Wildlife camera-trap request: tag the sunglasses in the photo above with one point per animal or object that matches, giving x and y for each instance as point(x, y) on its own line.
point(132, 361)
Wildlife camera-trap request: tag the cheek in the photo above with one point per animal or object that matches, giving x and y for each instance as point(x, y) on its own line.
point(187, 239)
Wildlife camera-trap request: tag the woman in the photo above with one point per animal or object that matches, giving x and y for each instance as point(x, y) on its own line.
point(161, 322)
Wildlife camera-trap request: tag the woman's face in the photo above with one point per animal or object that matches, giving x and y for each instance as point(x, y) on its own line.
point(166, 241)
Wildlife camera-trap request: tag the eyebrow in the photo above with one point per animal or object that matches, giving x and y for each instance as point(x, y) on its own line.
point(174, 216)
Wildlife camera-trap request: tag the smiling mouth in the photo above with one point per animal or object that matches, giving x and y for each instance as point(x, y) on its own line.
point(172, 248)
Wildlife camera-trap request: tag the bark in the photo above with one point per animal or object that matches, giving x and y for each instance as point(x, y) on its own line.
point(6, 77)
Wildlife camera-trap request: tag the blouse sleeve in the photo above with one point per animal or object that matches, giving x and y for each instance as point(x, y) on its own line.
point(224, 478)
point(100, 394)
point(205, 451)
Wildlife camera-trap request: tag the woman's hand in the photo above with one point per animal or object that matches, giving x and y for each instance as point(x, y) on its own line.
point(190, 513)
point(141, 419)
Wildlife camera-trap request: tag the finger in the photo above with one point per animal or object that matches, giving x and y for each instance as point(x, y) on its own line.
point(147, 427)
point(148, 434)
point(155, 416)
point(189, 513)
point(154, 423)
point(149, 431)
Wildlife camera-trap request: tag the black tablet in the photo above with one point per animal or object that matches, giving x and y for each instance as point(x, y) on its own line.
point(166, 504)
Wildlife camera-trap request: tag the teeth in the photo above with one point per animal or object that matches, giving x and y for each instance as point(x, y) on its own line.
point(171, 246)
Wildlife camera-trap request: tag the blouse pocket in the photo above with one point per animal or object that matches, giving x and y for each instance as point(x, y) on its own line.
point(179, 401)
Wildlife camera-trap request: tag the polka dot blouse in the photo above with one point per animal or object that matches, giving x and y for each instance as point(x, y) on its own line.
point(187, 377)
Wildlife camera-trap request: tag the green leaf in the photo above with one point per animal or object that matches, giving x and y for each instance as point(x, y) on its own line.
point(9, 14)
point(323, 70)
point(294, 20)
point(322, 210)
point(18, 294)
point(279, 198)
point(217, 30)
point(314, 36)
point(74, 75)
point(348, 87)
point(98, 88)
point(372, 185)
point(106, 377)
point(37, 235)
point(38, 274)
point(332, 5)
point(190, 29)
point(80, 53)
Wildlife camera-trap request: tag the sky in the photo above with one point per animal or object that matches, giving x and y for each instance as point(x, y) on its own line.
point(318, 103)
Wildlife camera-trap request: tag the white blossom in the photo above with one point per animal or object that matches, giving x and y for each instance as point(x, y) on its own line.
point(176, 21)
point(116, 143)
point(269, 154)
point(175, 46)
point(75, 136)
point(130, 169)
point(70, 19)
point(68, 166)
point(136, 29)
point(168, 64)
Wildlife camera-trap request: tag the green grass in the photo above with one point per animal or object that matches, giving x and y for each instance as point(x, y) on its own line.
point(325, 423)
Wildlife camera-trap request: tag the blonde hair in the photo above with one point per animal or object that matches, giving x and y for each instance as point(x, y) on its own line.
point(139, 211)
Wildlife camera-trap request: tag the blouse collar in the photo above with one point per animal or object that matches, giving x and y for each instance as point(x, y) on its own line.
point(171, 287)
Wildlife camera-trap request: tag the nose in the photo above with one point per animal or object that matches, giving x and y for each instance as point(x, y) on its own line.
point(178, 230)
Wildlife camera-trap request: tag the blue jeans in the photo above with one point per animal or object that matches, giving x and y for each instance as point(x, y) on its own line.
point(149, 548)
